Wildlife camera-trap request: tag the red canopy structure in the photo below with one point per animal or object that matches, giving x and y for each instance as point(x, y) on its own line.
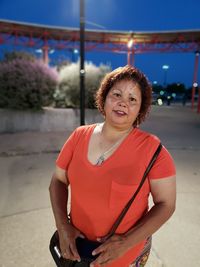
point(49, 37)
point(35, 35)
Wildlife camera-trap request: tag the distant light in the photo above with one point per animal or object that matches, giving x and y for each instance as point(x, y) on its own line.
point(162, 92)
point(82, 71)
point(41, 51)
point(75, 51)
point(38, 50)
point(155, 82)
point(174, 95)
point(195, 84)
point(168, 97)
point(160, 102)
point(130, 43)
point(165, 67)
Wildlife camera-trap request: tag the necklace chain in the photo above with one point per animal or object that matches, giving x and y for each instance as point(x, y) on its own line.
point(101, 158)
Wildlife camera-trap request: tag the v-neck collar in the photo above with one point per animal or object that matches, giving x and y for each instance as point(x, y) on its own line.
point(113, 155)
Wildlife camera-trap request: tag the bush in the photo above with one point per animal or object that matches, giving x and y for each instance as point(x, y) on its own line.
point(9, 56)
point(26, 84)
point(68, 92)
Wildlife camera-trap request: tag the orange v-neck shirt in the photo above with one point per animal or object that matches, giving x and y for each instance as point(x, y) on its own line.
point(99, 193)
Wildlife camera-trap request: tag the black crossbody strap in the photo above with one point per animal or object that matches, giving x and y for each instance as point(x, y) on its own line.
point(124, 211)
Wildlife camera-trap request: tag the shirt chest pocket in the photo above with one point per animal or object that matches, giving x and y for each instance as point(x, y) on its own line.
point(120, 195)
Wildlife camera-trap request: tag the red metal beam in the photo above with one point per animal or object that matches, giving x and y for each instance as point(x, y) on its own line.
point(17, 33)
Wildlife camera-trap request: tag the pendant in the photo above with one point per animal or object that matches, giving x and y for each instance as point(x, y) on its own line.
point(100, 160)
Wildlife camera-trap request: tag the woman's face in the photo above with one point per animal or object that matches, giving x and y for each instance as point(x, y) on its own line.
point(123, 103)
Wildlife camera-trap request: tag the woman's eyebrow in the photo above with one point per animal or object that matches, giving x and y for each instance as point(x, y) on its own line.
point(133, 94)
point(130, 94)
point(117, 89)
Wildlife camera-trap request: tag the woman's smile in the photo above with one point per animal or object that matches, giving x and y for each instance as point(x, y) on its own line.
point(120, 112)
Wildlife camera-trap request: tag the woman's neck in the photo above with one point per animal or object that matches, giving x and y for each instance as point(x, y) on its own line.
point(112, 133)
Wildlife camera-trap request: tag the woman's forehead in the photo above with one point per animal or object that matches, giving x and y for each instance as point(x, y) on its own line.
point(123, 84)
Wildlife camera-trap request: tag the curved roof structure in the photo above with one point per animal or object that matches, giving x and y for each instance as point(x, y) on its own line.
point(37, 36)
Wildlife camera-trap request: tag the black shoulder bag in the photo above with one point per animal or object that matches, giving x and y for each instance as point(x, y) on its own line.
point(85, 246)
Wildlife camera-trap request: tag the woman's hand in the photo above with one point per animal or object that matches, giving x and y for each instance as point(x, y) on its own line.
point(67, 237)
point(110, 250)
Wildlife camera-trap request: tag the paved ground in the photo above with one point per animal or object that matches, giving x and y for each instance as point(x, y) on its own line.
point(26, 221)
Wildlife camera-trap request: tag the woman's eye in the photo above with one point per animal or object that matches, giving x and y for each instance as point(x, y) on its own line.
point(132, 99)
point(117, 94)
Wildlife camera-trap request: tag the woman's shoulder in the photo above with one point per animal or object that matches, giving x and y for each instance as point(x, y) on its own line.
point(84, 128)
point(78, 133)
point(147, 137)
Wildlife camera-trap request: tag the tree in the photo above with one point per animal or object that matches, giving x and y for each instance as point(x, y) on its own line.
point(156, 88)
point(68, 93)
point(26, 83)
point(177, 88)
point(9, 56)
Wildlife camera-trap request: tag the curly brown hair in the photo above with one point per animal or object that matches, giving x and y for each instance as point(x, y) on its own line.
point(126, 73)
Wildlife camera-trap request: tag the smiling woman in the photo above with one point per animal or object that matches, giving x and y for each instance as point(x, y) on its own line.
point(103, 164)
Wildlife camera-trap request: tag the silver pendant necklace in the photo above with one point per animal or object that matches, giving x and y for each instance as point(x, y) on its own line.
point(101, 158)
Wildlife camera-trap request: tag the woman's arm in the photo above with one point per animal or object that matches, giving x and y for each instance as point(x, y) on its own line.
point(59, 197)
point(58, 190)
point(164, 197)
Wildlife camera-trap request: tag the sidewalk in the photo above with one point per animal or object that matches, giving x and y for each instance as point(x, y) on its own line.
point(26, 220)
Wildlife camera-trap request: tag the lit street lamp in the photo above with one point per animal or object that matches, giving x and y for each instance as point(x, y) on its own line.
point(165, 68)
point(45, 51)
point(129, 45)
point(74, 52)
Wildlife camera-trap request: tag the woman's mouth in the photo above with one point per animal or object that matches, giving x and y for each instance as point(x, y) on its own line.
point(120, 112)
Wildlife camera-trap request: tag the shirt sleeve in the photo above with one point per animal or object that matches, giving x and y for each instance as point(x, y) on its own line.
point(164, 166)
point(64, 158)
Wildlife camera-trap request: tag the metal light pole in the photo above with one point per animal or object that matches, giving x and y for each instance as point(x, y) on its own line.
point(82, 59)
point(165, 68)
point(195, 84)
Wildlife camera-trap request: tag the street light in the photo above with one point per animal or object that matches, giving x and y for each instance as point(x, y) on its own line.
point(129, 45)
point(74, 52)
point(45, 51)
point(196, 64)
point(82, 58)
point(165, 68)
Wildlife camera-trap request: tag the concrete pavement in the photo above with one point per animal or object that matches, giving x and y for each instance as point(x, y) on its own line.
point(27, 162)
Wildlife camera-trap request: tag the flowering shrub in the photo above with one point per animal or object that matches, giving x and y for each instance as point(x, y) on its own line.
point(67, 93)
point(8, 56)
point(26, 84)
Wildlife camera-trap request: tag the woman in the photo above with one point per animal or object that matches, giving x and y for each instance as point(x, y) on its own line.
point(104, 163)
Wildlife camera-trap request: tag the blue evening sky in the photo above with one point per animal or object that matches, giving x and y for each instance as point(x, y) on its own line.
point(127, 15)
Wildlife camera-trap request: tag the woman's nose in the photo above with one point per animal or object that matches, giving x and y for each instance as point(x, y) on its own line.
point(123, 103)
